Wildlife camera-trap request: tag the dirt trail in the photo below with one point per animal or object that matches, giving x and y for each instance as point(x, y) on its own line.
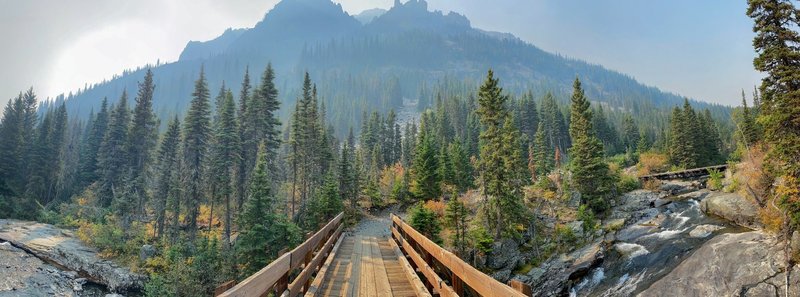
point(377, 224)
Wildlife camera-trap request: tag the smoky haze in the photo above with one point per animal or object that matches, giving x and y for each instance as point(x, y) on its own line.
point(699, 49)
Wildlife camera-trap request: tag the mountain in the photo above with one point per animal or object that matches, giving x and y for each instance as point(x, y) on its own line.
point(368, 15)
point(196, 50)
point(407, 51)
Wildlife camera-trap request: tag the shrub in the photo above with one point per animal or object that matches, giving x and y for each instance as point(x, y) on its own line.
point(628, 183)
point(481, 239)
point(587, 216)
point(565, 237)
point(715, 179)
point(653, 163)
point(426, 222)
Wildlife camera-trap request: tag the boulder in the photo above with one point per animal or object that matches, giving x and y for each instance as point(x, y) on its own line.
point(502, 276)
point(732, 207)
point(146, 252)
point(576, 227)
point(676, 187)
point(555, 275)
point(732, 264)
point(63, 248)
point(505, 254)
point(696, 195)
point(704, 231)
point(661, 202)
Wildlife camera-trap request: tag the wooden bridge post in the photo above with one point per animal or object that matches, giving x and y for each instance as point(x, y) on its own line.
point(457, 284)
point(520, 287)
point(283, 282)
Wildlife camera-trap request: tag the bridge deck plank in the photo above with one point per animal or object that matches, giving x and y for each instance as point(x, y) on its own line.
point(366, 266)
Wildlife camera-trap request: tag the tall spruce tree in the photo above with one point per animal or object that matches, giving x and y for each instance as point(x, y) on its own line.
point(590, 174)
point(91, 145)
point(543, 155)
point(141, 141)
point(499, 158)
point(225, 157)
point(776, 43)
point(111, 158)
point(167, 170)
point(196, 139)
point(425, 174)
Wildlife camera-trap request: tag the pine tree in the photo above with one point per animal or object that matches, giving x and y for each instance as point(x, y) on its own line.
point(747, 125)
point(630, 133)
point(776, 43)
point(542, 153)
point(461, 166)
point(111, 158)
point(263, 231)
point(141, 141)
point(225, 156)
point(246, 160)
point(709, 142)
point(500, 155)
point(167, 169)
point(409, 143)
point(12, 149)
point(605, 132)
point(425, 179)
point(348, 173)
point(590, 175)
point(196, 139)
point(684, 137)
point(528, 116)
point(455, 218)
point(91, 147)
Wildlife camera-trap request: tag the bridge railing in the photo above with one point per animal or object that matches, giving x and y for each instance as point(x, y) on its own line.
point(275, 277)
point(428, 257)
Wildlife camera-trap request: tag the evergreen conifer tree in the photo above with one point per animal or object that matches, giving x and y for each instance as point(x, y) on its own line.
point(590, 174)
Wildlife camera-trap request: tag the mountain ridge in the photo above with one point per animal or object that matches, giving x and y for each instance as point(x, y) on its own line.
point(405, 48)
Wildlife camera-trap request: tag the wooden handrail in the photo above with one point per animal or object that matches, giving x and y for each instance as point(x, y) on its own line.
point(426, 255)
point(275, 277)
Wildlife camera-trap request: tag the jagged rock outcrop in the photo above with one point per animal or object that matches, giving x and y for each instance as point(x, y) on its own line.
point(733, 264)
point(25, 275)
point(732, 207)
point(64, 249)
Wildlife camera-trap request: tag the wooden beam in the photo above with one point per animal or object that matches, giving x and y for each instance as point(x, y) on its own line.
point(261, 281)
point(323, 271)
point(475, 279)
point(413, 278)
point(296, 287)
point(439, 286)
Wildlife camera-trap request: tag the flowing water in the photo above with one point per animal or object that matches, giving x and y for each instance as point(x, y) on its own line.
point(649, 249)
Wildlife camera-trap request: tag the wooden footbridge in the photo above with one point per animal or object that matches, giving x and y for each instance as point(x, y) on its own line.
point(335, 263)
point(684, 174)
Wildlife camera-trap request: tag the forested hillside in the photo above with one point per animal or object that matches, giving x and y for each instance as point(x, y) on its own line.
point(222, 160)
point(402, 53)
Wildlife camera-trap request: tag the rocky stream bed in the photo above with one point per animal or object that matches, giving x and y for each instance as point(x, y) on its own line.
point(42, 260)
point(678, 241)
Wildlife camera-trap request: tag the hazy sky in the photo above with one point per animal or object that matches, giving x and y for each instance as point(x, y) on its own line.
point(700, 49)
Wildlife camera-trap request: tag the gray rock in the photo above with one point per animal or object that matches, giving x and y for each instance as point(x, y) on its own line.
point(146, 252)
point(696, 195)
point(795, 243)
point(732, 207)
point(733, 264)
point(576, 227)
point(553, 277)
point(22, 275)
point(675, 187)
point(62, 247)
point(661, 202)
point(704, 231)
point(502, 276)
point(505, 254)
